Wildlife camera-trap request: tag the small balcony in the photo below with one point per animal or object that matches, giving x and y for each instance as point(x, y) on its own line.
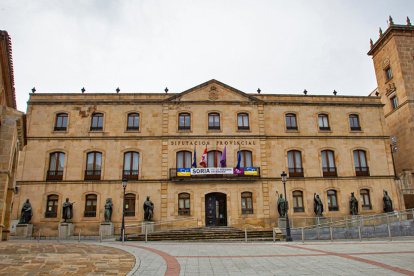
point(356, 128)
point(325, 128)
point(130, 174)
point(211, 174)
point(98, 128)
point(133, 128)
point(56, 128)
point(296, 172)
point(362, 171)
point(92, 174)
point(54, 175)
point(329, 172)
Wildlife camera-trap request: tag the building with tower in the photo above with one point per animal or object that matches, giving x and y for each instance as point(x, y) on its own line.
point(393, 57)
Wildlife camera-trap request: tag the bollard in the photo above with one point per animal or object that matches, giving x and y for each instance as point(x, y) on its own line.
point(389, 228)
point(245, 235)
point(146, 234)
point(100, 236)
point(303, 234)
point(330, 232)
point(79, 235)
point(274, 235)
point(359, 233)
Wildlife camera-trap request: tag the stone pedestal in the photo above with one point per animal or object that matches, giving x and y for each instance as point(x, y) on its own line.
point(320, 220)
point(65, 230)
point(106, 229)
point(281, 223)
point(148, 225)
point(24, 230)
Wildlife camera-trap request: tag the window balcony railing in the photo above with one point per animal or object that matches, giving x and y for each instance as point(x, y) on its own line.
point(59, 128)
point(296, 172)
point(180, 174)
point(133, 128)
point(129, 213)
point(89, 214)
point(131, 174)
point(324, 128)
point(355, 128)
point(298, 209)
point(292, 128)
point(243, 127)
point(333, 208)
point(214, 127)
point(93, 175)
point(50, 214)
point(362, 171)
point(184, 212)
point(247, 211)
point(54, 175)
point(184, 127)
point(329, 172)
point(96, 128)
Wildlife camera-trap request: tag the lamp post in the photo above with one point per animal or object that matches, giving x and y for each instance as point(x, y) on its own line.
point(288, 236)
point(124, 184)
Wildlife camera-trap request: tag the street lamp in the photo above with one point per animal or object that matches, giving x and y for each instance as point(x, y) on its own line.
point(124, 184)
point(288, 236)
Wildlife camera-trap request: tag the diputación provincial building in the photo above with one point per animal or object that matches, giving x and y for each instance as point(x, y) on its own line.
point(80, 146)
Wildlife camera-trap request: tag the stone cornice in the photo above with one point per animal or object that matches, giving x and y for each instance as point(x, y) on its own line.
point(205, 137)
point(392, 29)
point(7, 68)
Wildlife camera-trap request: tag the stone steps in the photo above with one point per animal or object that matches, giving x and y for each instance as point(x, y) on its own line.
point(206, 233)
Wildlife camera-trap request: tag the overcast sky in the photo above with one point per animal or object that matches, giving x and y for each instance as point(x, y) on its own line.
point(144, 46)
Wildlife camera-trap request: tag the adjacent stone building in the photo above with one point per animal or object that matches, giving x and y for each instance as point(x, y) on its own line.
point(11, 134)
point(393, 57)
point(81, 145)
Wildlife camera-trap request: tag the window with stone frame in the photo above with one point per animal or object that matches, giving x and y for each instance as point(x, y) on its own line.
point(61, 122)
point(184, 204)
point(97, 122)
point(365, 199)
point(56, 165)
point(184, 121)
point(298, 201)
point(394, 102)
point(214, 121)
point(388, 73)
point(290, 120)
point(130, 199)
point(360, 162)
point(183, 159)
point(90, 205)
point(93, 165)
point(323, 122)
point(213, 158)
point(295, 163)
point(332, 200)
point(51, 206)
point(133, 121)
point(354, 122)
point(243, 121)
point(131, 167)
point(247, 203)
point(328, 163)
point(246, 159)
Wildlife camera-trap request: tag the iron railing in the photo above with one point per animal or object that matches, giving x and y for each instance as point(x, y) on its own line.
point(362, 171)
point(54, 175)
point(92, 174)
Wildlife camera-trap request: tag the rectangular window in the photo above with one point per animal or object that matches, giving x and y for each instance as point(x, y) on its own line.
point(243, 121)
point(97, 122)
point(213, 121)
point(247, 203)
point(388, 73)
point(184, 121)
point(354, 122)
point(291, 122)
point(298, 202)
point(394, 102)
point(61, 122)
point(323, 122)
point(133, 121)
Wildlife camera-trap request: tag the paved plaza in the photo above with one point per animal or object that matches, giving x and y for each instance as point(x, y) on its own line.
point(200, 258)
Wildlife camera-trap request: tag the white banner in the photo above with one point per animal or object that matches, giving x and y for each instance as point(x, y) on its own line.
point(197, 171)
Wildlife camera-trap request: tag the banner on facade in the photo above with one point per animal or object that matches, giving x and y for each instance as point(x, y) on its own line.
point(252, 171)
point(198, 171)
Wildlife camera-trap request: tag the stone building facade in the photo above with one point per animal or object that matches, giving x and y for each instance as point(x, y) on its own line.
point(80, 146)
point(393, 57)
point(11, 134)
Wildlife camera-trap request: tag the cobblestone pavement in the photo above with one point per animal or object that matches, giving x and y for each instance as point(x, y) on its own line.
point(61, 258)
point(316, 258)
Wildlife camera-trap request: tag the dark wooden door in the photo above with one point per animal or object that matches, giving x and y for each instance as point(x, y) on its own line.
point(210, 210)
point(216, 209)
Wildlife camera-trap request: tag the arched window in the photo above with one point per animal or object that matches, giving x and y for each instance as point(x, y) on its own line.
point(131, 168)
point(328, 163)
point(90, 205)
point(214, 120)
point(246, 159)
point(183, 159)
point(184, 204)
point(291, 123)
point(298, 201)
point(354, 122)
point(213, 159)
point(332, 200)
point(243, 121)
point(133, 121)
point(130, 205)
point(184, 121)
point(51, 206)
point(93, 166)
point(56, 164)
point(360, 161)
point(247, 203)
point(97, 122)
point(295, 163)
point(323, 122)
point(365, 199)
point(61, 122)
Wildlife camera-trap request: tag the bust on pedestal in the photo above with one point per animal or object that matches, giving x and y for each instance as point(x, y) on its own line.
point(24, 228)
point(66, 227)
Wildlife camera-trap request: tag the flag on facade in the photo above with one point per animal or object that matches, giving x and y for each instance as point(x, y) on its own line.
point(203, 161)
point(238, 159)
point(194, 165)
point(223, 161)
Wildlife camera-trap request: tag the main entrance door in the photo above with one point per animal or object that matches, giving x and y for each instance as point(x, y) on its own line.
point(216, 209)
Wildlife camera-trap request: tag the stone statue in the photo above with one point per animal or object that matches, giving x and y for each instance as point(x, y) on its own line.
point(387, 203)
point(353, 205)
point(67, 211)
point(108, 210)
point(148, 209)
point(26, 213)
point(281, 206)
point(317, 205)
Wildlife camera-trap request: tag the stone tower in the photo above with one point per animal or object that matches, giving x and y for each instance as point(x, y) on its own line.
point(393, 56)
